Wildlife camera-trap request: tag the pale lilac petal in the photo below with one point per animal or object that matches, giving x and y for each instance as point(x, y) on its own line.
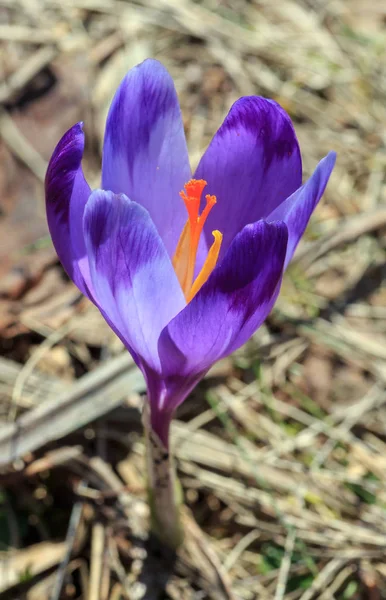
point(227, 310)
point(145, 154)
point(297, 209)
point(252, 164)
point(134, 282)
point(66, 195)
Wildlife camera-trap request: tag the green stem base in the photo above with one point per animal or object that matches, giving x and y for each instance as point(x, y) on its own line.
point(164, 490)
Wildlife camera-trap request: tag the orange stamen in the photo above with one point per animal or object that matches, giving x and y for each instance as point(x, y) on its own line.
point(208, 266)
point(184, 259)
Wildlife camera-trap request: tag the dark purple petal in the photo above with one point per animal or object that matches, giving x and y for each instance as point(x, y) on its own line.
point(297, 209)
point(226, 311)
point(252, 165)
point(135, 284)
point(145, 154)
point(66, 195)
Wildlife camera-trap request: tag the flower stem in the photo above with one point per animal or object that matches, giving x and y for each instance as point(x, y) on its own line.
point(164, 490)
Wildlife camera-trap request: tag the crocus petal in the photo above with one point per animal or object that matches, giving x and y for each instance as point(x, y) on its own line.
point(145, 154)
point(134, 282)
point(232, 304)
point(66, 195)
point(297, 209)
point(252, 164)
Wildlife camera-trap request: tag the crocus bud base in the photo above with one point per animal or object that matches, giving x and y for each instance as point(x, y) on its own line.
point(164, 491)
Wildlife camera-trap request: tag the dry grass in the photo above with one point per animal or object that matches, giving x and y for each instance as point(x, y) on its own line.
point(282, 450)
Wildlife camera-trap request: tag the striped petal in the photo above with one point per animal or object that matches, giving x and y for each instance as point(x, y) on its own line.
point(66, 195)
point(227, 310)
point(135, 284)
point(145, 154)
point(298, 208)
point(252, 165)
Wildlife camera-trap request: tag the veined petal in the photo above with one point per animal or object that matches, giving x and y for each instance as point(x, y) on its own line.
point(252, 165)
point(297, 209)
point(145, 154)
point(135, 284)
point(66, 195)
point(227, 310)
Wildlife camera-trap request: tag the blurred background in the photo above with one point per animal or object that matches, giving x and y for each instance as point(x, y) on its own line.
point(282, 450)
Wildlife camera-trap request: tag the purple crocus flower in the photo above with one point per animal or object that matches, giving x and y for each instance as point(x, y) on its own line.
point(182, 280)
